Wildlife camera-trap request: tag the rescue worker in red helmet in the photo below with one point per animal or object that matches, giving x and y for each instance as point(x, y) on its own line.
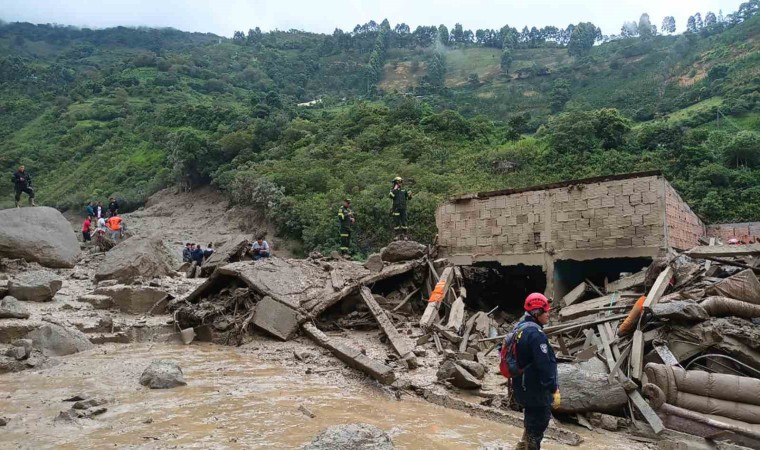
point(537, 388)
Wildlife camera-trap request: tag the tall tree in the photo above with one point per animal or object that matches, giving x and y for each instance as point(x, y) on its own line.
point(582, 38)
point(506, 59)
point(629, 29)
point(559, 95)
point(645, 26)
point(668, 25)
point(457, 34)
point(443, 34)
point(691, 25)
point(698, 21)
point(710, 19)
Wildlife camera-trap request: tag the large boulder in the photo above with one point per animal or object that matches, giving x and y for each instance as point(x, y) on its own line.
point(163, 374)
point(131, 299)
point(39, 234)
point(353, 436)
point(35, 286)
point(457, 375)
point(10, 308)
point(135, 257)
point(403, 251)
point(55, 340)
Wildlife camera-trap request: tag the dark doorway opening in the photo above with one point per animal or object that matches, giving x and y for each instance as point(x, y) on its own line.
point(569, 274)
point(491, 284)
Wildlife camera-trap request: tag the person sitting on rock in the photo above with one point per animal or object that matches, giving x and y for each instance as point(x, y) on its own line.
point(187, 253)
point(22, 182)
point(260, 249)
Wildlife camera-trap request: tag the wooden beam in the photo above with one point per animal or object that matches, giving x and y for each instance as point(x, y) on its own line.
point(613, 342)
point(666, 355)
point(408, 297)
point(467, 330)
point(606, 350)
point(658, 288)
point(430, 315)
point(615, 372)
point(724, 250)
point(637, 354)
point(574, 295)
point(399, 343)
point(564, 328)
point(456, 315)
point(592, 306)
point(596, 289)
point(628, 282)
point(649, 415)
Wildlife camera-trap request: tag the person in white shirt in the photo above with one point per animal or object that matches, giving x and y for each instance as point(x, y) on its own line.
point(260, 249)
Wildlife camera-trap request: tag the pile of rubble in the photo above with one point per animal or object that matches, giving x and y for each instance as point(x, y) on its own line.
point(691, 316)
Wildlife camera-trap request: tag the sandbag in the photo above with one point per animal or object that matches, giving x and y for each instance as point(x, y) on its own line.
point(715, 385)
point(722, 306)
point(743, 286)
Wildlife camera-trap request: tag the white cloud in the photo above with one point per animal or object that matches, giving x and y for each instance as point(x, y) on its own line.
point(225, 16)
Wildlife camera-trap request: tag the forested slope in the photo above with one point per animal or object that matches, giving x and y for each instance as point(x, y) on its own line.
point(124, 112)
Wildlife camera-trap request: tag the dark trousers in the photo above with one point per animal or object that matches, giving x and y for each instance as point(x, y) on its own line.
point(536, 420)
point(345, 240)
point(28, 190)
point(86, 236)
point(400, 221)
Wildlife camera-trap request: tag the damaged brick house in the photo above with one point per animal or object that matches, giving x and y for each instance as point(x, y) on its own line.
point(551, 237)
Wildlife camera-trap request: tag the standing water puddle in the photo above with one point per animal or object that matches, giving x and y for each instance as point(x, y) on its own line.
point(231, 401)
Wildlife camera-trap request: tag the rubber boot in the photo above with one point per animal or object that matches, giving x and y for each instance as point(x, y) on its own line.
point(521, 445)
point(18, 205)
point(31, 202)
point(532, 442)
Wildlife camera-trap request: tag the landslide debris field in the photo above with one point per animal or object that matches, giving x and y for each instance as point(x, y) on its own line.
point(124, 348)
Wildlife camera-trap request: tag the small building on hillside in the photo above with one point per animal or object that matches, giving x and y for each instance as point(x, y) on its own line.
point(550, 238)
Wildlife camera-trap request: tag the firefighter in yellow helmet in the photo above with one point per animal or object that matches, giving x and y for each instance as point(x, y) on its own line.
point(346, 220)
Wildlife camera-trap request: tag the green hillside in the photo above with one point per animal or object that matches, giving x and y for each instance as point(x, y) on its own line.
point(125, 112)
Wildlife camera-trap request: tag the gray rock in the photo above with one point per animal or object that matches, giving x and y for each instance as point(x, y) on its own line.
point(89, 403)
point(133, 299)
point(162, 374)
point(55, 340)
point(35, 286)
point(4, 421)
point(11, 308)
point(355, 436)
point(476, 369)
point(26, 344)
point(374, 262)
point(97, 301)
point(457, 375)
point(403, 251)
point(39, 234)
point(136, 257)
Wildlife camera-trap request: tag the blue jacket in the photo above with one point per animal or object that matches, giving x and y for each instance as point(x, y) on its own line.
point(197, 255)
point(537, 384)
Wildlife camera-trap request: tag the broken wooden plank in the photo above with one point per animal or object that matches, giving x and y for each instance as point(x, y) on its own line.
point(437, 341)
point(399, 343)
point(574, 295)
point(637, 354)
point(616, 372)
point(433, 272)
point(606, 350)
point(576, 326)
point(592, 306)
point(665, 354)
point(649, 415)
point(406, 300)
point(596, 289)
point(430, 315)
point(468, 329)
point(724, 250)
point(456, 315)
point(629, 282)
point(353, 357)
point(613, 343)
point(658, 288)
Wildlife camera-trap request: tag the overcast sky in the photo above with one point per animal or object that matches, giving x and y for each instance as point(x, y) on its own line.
point(223, 17)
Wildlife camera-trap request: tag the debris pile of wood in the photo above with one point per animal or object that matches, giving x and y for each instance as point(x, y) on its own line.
point(696, 310)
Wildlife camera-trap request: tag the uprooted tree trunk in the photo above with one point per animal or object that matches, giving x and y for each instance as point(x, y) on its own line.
point(585, 391)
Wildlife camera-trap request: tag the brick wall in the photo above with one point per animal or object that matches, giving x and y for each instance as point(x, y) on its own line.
point(606, 214)
point(746, 233)
point(684, 227)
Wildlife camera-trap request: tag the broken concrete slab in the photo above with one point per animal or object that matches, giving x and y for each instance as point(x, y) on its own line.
point(457, 375)
point(11, 308)
point(35, 286)
point(134, 299)
point(631, 281)
point(276, 318)
point(724, 250)
point(401, 344)
point(231, 251)
point(353, 357)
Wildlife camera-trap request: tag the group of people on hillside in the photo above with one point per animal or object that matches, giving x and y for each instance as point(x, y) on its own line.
point(103, 221)
point(194, 253)
point(399, 198)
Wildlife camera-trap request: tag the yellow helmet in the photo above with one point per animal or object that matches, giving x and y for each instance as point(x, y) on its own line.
point(397, 179)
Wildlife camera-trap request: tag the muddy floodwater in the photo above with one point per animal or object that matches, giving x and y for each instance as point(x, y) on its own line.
point(232, 400)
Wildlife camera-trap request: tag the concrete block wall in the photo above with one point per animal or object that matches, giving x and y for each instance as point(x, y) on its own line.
point(684, 228)
point(618, 213)
point(746, 232)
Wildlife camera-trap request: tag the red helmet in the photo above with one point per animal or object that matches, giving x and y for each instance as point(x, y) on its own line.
point(536, 301)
